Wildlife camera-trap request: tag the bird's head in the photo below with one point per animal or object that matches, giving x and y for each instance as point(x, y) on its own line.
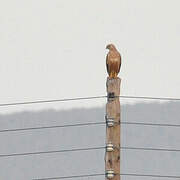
point(110, 47)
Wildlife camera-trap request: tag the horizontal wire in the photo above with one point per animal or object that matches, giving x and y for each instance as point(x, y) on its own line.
point(150, 149)
point(150, 175)
point(86, 98)
point(103, 174)
point(50, 101)
point(151, 98)
point(52, 127)
point(50, 152)
point(150, 124)
point(69, 177)
point(86, 124)
point(87, 149)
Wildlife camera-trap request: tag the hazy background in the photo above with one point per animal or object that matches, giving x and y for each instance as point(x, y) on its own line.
point(53, 49)
point(56, 48)
point(89, 162)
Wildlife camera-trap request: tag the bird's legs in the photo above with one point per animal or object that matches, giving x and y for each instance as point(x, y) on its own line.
point(111, 75)
point(115, 74)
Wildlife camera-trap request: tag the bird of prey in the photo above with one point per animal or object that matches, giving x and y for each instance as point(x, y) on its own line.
point(113, 61)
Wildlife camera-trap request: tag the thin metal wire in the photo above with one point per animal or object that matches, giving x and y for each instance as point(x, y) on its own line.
point(87, 149)
point(50, 101)
point(151, 98)
point(150, 175)
point(86, 98)
point(150, 149)
point(150, 124)
point(50, 152)
point(70, 177)
point(86, 124)
point(103, 174)
point(52, 127)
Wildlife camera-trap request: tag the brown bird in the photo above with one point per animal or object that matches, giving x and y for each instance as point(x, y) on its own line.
point(113, 61)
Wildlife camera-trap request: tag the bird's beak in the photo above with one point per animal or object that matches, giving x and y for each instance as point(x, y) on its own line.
point(107, 47)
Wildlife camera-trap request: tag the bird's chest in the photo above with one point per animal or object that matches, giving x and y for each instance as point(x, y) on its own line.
point(113, 60)
point(113, 57)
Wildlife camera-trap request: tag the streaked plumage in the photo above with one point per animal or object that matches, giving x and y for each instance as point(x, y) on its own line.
point(113, 61)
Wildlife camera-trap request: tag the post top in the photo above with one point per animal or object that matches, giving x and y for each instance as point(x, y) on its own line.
point(113, 85)
point(113, 79)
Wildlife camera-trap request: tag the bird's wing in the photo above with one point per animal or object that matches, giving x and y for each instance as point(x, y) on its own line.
point(107, 66)
point(119, 63)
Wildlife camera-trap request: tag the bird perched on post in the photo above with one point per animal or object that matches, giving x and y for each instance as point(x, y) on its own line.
point(113, 61)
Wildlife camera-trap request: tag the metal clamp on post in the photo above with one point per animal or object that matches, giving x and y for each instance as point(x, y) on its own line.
point(109, 147)
point(109, 121)
point(110, 174)
point(111, 96)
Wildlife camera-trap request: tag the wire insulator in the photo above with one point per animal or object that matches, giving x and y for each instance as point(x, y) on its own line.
point(110, 174)
point(111, 96)
point(109, 147)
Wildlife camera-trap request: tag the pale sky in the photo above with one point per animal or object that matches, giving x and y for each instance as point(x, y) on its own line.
point(52, 49)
